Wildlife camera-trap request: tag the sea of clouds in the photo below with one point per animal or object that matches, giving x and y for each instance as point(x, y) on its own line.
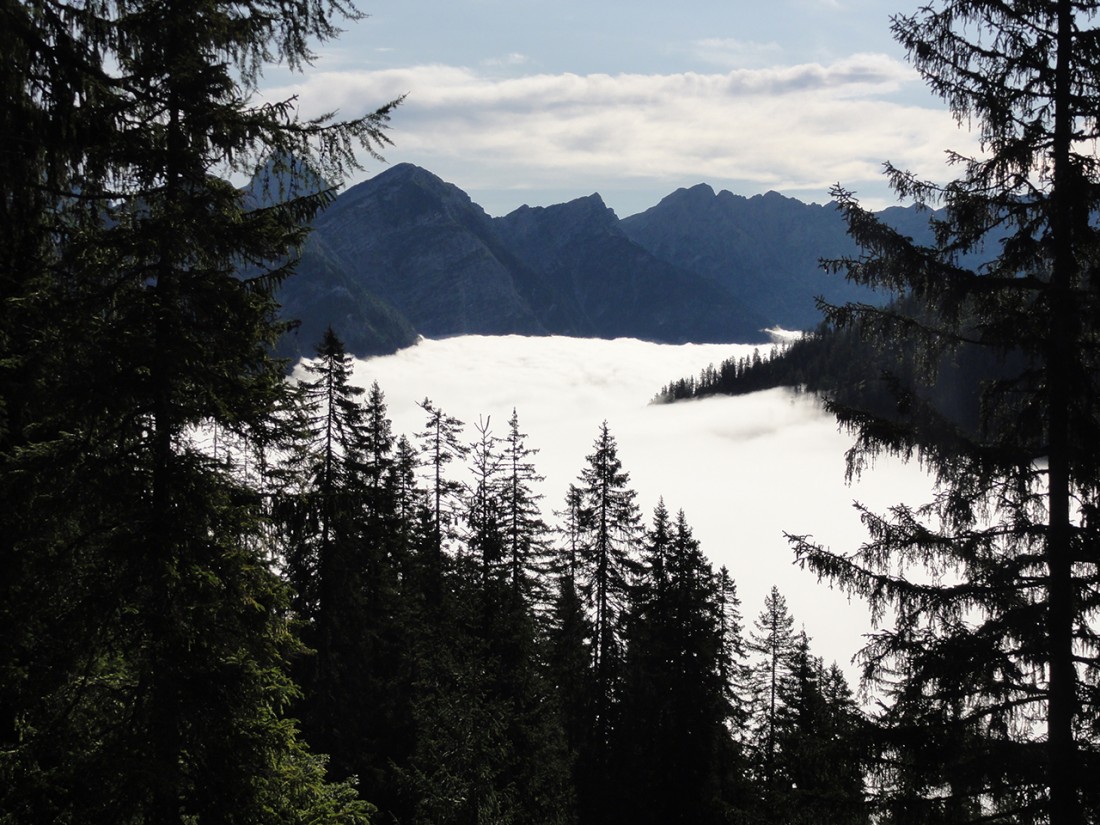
point(743, 470)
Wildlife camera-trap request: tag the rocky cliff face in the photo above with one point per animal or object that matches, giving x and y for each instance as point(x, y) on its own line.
point(423, 246)
point(321, 293)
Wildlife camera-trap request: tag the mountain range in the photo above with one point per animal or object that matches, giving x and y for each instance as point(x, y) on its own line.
point(406, 254)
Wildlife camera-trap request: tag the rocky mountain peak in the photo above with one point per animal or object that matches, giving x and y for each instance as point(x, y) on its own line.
point(561, 222)
point(406, 193)
point(698, 266)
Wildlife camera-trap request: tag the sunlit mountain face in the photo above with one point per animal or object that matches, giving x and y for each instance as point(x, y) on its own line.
point(743, 469)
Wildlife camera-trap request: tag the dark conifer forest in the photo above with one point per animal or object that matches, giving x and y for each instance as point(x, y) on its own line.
point(227, 596)
point(467, 662)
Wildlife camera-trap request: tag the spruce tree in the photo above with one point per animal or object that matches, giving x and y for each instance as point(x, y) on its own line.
point(439, 447)
point(732, 659)
point(526, 533)
point(144, 661)
point(820, 744)
point(506, 636)
point(989, 669)
point(772, 642)
point(331, 458)
point(610, 539)
point(378, 448)
point(569, 634)
point(485, 535)
point(343, 562)
point(611, 536)
point(675, 756)
point(598, 562)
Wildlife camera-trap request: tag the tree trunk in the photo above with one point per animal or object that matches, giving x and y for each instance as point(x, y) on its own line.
point(1064, 803)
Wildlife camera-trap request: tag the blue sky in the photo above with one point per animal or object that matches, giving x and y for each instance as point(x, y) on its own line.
point(535, 102)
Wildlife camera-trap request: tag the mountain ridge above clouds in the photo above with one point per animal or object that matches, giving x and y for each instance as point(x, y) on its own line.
point(405, 254)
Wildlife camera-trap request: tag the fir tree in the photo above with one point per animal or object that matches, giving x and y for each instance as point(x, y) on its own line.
point(144, 666)
point(676, 756)
point(988, 670)
point(772, 641)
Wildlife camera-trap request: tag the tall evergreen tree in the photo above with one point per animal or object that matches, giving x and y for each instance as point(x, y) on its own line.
point(526, 543)
point(502, 539)
point(345, 561)
point(610, 535)
point(144, 647)
point(675, 754)
point(570, 633)
point(772, 642)
point(820, 745)
point(732, 659)
point(330, 457)
point(488, 741)
point(439, 446)
point(990, 668)
point(408, 498)
point(485, 537)
point(378, 448)
point(325, 563)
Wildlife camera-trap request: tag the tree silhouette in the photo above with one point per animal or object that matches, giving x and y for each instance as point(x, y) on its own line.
point(991, 654)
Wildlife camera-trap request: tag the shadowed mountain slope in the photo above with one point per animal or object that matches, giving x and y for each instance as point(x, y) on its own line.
point(406, 253)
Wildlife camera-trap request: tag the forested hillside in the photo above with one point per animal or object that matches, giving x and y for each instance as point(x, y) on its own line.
point(840, 365)
point(470, 662)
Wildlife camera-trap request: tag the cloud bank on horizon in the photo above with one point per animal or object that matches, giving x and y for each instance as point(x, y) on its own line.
point(517, 108)
point(744, 469)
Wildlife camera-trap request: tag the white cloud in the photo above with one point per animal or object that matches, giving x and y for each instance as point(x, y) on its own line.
point(790, 128)
point(512, 59)
point(742, 469)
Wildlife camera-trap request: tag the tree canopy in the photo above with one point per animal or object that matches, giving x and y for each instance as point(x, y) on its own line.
point(991, 654)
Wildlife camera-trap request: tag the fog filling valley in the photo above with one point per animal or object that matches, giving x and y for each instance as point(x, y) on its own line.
point(743, 469)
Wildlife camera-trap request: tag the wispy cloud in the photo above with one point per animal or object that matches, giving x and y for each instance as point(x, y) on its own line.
point(728, 51)
point(792, 128)
point(511, 59)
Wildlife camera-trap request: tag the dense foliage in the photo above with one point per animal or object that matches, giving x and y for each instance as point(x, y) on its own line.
point(145, 635)
point(985, 369)
point(987, 654)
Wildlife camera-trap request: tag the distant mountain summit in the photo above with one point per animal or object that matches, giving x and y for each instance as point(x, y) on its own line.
point(406, 253)
point(764, 249)
point(613, 286)
point(424, 247)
